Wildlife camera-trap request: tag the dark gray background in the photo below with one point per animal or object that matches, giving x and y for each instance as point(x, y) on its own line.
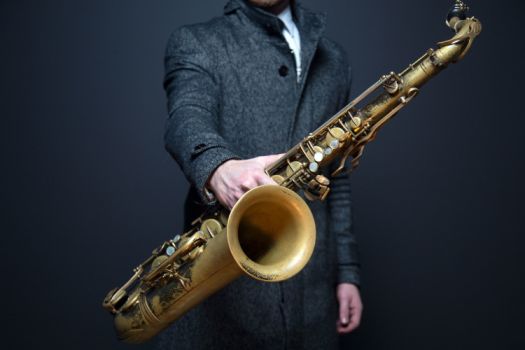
point(88, 190)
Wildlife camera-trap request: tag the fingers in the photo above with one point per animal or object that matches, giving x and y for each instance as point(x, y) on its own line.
point(354, 321)
point(269, 160)
point(350, 308)
point(249, 182)
point(266, 161)
point(233, 178)
point(264, 179)
point(344, 314)
point(230, 193)
point(229, 200)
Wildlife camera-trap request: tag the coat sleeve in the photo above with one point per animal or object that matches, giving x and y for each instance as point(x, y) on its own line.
point(192, 135)
point(340, 216)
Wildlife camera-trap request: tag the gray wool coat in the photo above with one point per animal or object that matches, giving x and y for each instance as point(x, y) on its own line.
point(233, 94)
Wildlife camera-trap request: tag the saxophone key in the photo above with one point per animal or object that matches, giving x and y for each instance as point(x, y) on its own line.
point(169, 251)
point(334, 134)
point(212, 227)
point(131, 301)
point(293, 167)
point(355, 122)
point(278, 179)
point(318, 188)
point(160, 259)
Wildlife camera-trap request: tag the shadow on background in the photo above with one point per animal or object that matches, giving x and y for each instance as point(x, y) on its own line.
point(88, 190)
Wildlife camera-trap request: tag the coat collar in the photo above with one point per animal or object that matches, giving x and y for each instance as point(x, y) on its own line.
point(309, 23)
point(311, 26)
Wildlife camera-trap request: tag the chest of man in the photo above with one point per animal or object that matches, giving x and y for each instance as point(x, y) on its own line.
point(264, 107)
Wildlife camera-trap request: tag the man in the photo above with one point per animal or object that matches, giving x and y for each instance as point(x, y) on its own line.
point(242, 88)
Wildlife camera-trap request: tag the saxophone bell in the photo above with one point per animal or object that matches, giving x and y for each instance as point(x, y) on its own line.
point(269, 235)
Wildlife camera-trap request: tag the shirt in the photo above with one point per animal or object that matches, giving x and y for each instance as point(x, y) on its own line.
point(292, 37)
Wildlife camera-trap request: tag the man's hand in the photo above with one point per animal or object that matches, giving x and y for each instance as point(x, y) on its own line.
point(350, 308)
point(235, 177)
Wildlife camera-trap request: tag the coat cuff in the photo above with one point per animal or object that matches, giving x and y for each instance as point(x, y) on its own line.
point(205, 163)
point(349, 274)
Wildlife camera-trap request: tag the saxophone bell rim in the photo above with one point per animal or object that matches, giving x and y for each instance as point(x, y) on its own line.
point(292, 231)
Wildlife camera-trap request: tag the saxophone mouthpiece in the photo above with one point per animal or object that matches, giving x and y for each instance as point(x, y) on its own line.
point(457, 13)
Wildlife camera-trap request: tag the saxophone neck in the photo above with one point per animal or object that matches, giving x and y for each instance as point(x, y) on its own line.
point(457, 13)
point(466, 29)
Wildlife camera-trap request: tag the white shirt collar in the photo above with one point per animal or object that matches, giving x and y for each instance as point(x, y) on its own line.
point(286, 17)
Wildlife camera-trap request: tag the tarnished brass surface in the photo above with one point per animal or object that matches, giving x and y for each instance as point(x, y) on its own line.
point(270, 233)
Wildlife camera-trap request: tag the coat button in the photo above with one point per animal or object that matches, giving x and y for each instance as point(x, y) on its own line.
point(283, 71)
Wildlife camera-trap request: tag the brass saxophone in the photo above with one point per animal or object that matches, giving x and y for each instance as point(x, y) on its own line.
point(270, 233)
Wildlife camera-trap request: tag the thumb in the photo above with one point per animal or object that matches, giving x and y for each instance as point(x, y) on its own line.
point(344, 311)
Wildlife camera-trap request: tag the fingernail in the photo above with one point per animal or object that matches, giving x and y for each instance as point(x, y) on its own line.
point(344, 321)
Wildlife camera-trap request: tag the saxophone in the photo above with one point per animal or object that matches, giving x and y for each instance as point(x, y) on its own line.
point(269, 234)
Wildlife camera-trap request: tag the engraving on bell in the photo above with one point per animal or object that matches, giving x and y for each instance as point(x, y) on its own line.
point(313, 167)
